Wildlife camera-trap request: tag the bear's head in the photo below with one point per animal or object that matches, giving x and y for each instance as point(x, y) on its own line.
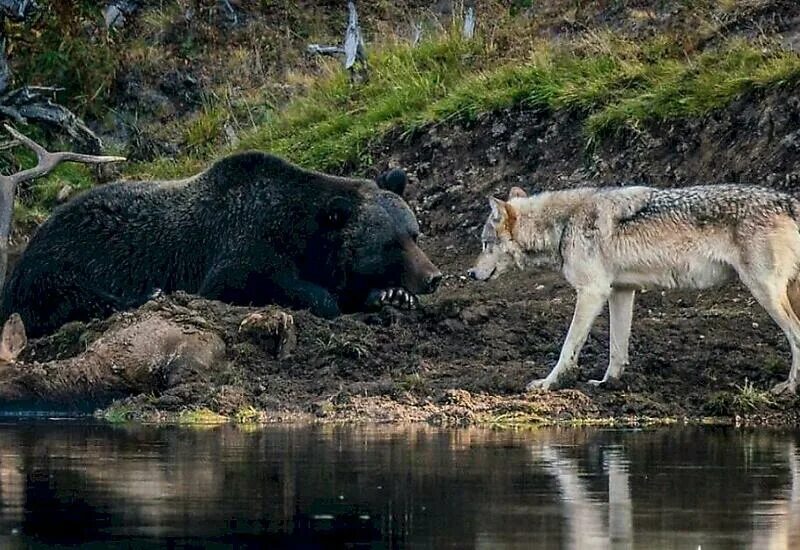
point(381, 241)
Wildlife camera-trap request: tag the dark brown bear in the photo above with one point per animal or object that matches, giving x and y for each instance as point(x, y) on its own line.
point(252, 229)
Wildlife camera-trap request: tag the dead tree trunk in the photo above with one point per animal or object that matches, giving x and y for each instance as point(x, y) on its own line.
point(8, 184)
point(469, 24)
point(353, 51)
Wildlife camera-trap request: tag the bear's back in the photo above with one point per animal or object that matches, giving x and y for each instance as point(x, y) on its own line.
point(117, 243)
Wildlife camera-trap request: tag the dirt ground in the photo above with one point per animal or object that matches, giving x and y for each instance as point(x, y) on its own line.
point(467, 353)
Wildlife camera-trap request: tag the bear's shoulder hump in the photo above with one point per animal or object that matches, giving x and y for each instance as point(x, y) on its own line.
point(239, 168)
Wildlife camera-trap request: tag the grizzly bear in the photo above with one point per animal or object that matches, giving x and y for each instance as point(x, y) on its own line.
point(253, 229)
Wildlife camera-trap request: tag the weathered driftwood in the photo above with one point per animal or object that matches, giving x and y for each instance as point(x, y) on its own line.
point(352, 50)
point(416, 33)
point(469, 23)
point(31, 104)
point(353, 41)
point(17, 10)
point(8, 184)
point(324, 50)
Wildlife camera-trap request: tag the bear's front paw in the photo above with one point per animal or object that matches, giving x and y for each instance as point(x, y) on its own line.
point(397, 297)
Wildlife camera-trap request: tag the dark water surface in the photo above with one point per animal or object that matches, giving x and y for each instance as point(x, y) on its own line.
point(76, 485)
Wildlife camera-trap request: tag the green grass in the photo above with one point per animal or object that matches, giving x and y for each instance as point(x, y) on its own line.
point(336, 345)
point(748, 398)
point(119, 413)
point(200, 416)
point(615, 83)
point(58, 51)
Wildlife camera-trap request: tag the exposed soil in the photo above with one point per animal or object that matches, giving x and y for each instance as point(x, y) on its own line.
point(467, 354)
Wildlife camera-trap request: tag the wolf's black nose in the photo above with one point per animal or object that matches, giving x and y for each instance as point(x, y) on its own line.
point(471, 274)
point(434, 280)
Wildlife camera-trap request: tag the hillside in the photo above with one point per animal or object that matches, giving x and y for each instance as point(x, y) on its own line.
point(547, 95)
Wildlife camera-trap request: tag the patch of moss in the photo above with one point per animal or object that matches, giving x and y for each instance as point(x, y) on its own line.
point(200, 416)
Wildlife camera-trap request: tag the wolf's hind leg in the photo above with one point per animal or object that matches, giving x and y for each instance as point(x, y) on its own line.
point(620, 315)
point(588, 305)
point(774, 298)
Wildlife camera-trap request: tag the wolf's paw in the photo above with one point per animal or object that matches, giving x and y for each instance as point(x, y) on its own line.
point(607, 382)
point(397, 297)
point(541, 384)
point(784, 388)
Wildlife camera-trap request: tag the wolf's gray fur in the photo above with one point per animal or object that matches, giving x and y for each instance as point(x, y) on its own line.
point(609, 242)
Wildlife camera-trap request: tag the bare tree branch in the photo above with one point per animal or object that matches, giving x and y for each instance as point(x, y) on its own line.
point(324, 50)
point(46, 161)
point(416, 33)
point(353, 48)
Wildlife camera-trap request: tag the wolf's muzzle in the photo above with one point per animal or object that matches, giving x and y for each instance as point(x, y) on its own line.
point(472, 273)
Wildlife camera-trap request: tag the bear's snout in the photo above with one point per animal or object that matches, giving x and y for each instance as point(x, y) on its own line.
point(420, 276)
point(434, 280)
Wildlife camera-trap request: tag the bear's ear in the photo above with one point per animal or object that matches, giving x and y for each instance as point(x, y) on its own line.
point(337, 212)
point(394, 180)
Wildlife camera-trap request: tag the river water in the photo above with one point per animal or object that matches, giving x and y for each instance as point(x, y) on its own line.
point(69, 483)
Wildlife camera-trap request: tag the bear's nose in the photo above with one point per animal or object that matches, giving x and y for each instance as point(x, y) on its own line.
point(434, 280)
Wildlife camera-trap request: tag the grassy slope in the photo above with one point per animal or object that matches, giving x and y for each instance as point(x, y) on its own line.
point(613, 81)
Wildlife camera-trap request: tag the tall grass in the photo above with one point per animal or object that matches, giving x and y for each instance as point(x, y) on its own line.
point(614, 82)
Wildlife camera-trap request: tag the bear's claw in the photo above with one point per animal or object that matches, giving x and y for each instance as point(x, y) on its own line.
point(397, 297)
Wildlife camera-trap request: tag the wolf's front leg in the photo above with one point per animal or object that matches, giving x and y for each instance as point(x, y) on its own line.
point(620, 315)
point(588, 305)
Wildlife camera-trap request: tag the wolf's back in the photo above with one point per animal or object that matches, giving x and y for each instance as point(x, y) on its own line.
point(716, 204)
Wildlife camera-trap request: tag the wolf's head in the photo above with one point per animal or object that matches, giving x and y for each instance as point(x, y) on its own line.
point(500, 250)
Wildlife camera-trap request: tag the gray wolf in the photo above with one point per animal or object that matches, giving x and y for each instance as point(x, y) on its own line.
point(608, 242)
point(252, 229)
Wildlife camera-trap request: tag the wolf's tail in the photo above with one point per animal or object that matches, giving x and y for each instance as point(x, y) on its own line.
point(793, 291)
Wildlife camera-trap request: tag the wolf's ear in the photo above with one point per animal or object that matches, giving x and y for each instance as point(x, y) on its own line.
point(516, 193)
point(13, 339)
point(498, 208)
point(336, 213)
point(394, 180)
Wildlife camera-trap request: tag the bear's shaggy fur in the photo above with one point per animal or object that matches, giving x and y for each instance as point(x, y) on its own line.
point(252, 229)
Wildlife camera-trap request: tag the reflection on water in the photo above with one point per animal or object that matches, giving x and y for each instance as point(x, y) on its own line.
point(95, 485)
